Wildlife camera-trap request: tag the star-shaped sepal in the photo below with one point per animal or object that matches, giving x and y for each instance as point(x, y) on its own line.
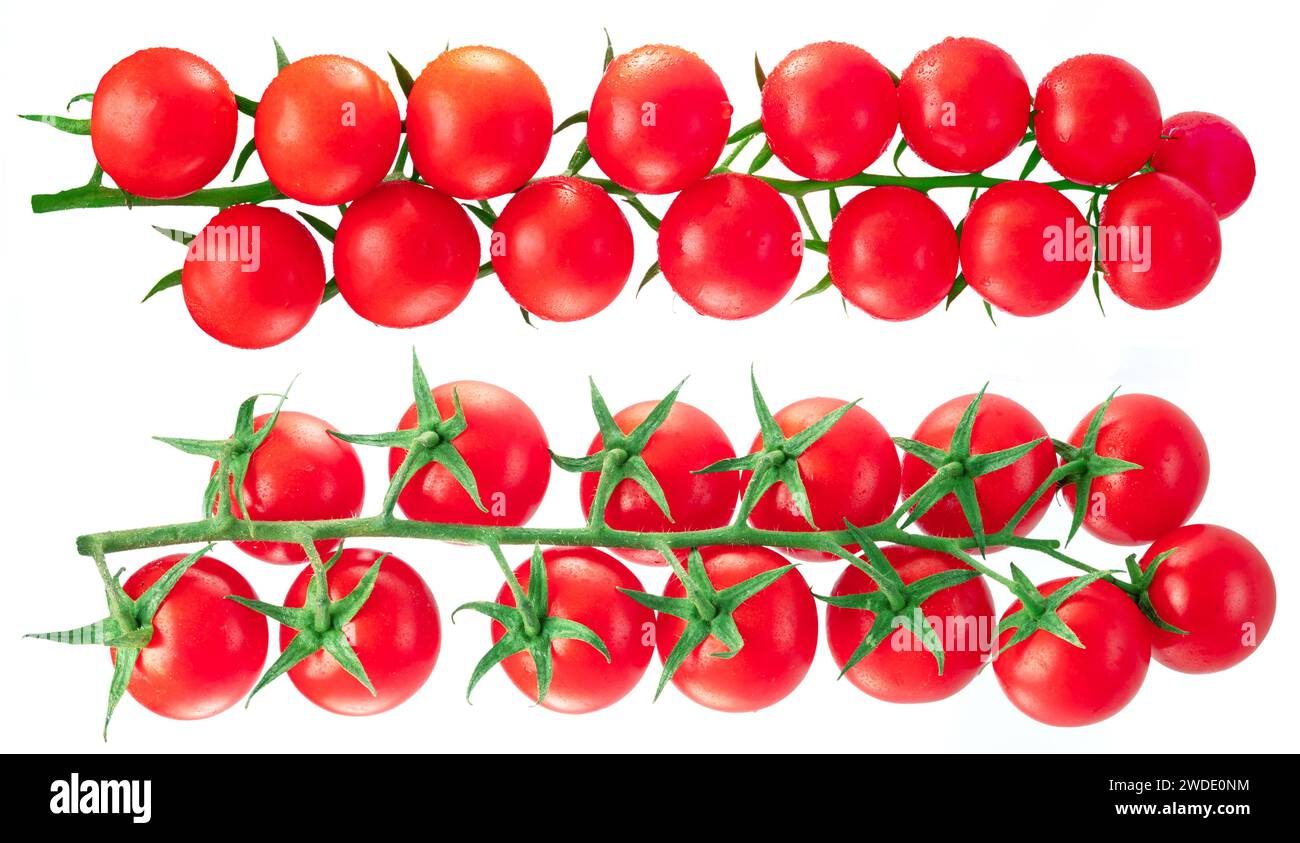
point(129, 627)
point(1143, 579)
point(430, 441)
point(707, 611)
point(528, 626)
point(1040, 613)
point(1085, 466)
point(895, 604)
point(778, 460)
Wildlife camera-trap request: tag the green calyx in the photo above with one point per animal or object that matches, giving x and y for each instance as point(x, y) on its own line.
point(778, 460)
point(320, 621)
point(128, 628)
point(707, 611)
point(619, 457)
point(1040, 613)
point(1142, 580)
point(895, 604)
point(1088, 465)
point(430, 441)
point(529, 629)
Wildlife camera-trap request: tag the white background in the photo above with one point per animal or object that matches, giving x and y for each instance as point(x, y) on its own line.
point(89, 375)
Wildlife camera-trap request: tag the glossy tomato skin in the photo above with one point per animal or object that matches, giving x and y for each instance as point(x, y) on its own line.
point(1060, 684)
point(1140, 506)
point(659, 119)
point(163, 123)
point(299, 473)
point(851, 472)
point(1216, 587)
point(206, 652)
point(688, 440)
point(478, 122)
point(1097, 119)
point(893, 253)
point(963, 105)
point(396, 636)
point(730, 246)
point(253, 277)
point(778, 625)
point(1161, 242)
point(582, 585)
point(1000, 423)
point(1211, 155)
point(504, 446)
point(1025, 248)
point(829, 110)
point(327, 130)
point(562, 249)
point(405, 255)
point(900, 670)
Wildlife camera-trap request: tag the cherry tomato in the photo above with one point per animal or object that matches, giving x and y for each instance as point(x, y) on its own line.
point(893, 253)
point(253, 277)
point(504, 446)
point(851, 472)
point(730, 246)
point(900, 670)
point(1160, 241)
point(778, 625)
point(1025, 248)
point(162, 123)
point(688, 440)
point(829, 110)
point(1060, 684)
point(299, 473)
point(562, 249)
point(659, 119)
point(206, 651)
point(478, 122)
point(1000, 423)
point(1140, 506)
point(582, 585)
point(963, 105)
point(327, 130)
point(396, 637)
point(405, 255)
point(1211, 155)
point(1217, 588)
point(1097, 119)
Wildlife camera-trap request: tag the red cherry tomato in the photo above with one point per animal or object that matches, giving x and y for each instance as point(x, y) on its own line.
point(1160, 241)
point(1218, 589)
point(1211, 155)
point(688, 440)
point(1097, 119)
point(405, 255)
point(851, 473)
point(829, 110)
point(327, 130)
point(299, 473)
point(206, 651)
point(893, 253)
point(963, 105)
point(396, 637)
point(778, 625)
point(1025, 248)
point(582, 585)
point(1140, 506)
point(562, 249)
point(253, 277)
point(1000, 423)
point(478, 122)
point(659, 119)
point(162, 123)
point(730, 246)
point(900, 670)
point(503, 445)
point(1060, 684)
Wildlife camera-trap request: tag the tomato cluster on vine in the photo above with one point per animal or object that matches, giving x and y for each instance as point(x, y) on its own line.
point(478, 125)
